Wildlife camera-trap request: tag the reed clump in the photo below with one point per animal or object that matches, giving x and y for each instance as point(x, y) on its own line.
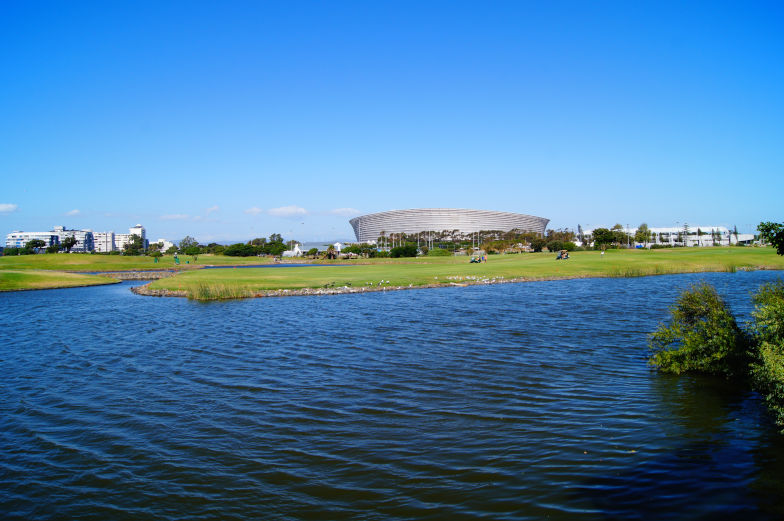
point(218, 291)
point(624, 272)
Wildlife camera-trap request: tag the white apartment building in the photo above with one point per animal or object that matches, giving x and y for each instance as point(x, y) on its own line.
point(140, 231)
point(84, 238)
point(121, 239)
point(697, 236)
point(104, 242)
point(19, 239)
point(165, 244)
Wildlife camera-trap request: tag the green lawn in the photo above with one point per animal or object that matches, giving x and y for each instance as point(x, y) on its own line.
point(87, 262)
point(12, 280)
point(456, 270)
point(358, 273)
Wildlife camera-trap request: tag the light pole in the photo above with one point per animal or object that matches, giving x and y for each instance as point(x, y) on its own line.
point(677, 227)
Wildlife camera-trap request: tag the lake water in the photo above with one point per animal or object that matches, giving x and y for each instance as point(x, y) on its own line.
point(515, 401)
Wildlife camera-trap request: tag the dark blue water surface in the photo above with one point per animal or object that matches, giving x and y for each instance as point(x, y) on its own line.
point(515, 401)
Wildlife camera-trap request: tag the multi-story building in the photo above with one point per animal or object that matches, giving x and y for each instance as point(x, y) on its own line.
point(691, 236)
point(19, 239)
point(121, 239)
point(104, 242)
point(140, 231)
point(84, 238)
point(165, 244)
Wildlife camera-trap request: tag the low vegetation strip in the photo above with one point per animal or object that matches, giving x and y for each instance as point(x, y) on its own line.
point(432, 272)
point(11, 280)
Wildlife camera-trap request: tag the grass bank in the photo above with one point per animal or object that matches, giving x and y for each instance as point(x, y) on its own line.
point(79, 262)
point(11, 280)
point(435, 271)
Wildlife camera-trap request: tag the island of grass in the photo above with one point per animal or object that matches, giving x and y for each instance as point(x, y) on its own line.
point(371, 275)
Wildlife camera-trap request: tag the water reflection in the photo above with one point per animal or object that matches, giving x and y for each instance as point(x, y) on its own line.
point(704, 452)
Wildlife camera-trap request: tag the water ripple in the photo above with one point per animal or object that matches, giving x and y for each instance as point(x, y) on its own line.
point(521, 401)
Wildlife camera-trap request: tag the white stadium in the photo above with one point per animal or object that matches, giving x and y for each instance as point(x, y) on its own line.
point(368, 228)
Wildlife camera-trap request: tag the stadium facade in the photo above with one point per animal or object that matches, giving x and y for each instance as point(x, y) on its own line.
point(368, 228)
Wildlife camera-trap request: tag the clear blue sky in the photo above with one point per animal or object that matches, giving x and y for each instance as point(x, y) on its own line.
point(231, 120)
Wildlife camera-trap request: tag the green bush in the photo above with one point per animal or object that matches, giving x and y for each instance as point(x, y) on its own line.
point(240, 250)
point(555, 245)
point(409, 250)
point(701, 336)
point(537, 244)
point(767, 328)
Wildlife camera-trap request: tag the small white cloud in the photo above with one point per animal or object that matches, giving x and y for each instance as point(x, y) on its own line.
point(345, 212)
point(73, 212)
point(254, 211)
point(8, 208)
point(175, 217)
point(212, 209)
point(287, 211)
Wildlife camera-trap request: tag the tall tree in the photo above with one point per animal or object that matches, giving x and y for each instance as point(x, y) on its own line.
point(603, 236)
point(68, 243)
point(35, 245)
point(135, 246)
point(187, 242)
point(193, 251)
point(773, 233)
point(642, 234)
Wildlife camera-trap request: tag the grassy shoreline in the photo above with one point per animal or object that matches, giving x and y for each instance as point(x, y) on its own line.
point(359, 277)
point(78, 263)
point(378, 274)
point(24, 280)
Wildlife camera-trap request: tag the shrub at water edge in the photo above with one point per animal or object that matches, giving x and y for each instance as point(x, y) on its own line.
point(701, 336)
point(767, 327)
